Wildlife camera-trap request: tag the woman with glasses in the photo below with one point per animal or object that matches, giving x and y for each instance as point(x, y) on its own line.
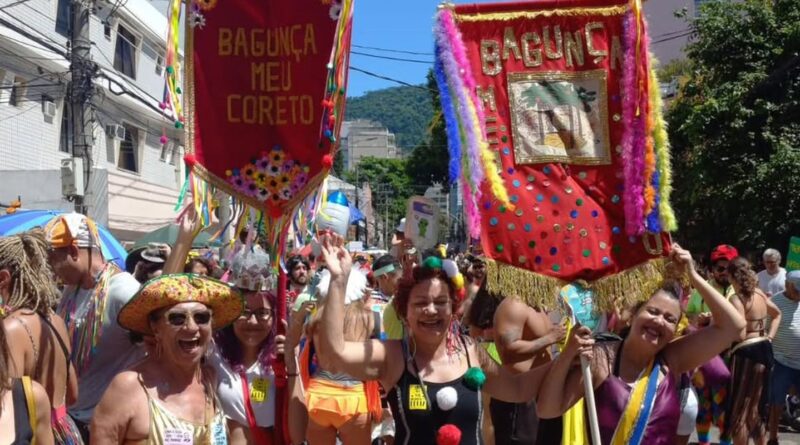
point(169, 397)
point(245, 352)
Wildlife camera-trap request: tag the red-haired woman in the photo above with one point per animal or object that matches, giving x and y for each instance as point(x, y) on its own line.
point(435, 377)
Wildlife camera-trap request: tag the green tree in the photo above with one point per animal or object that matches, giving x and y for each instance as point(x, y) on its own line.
point(404, 110)
point(677, 68)
point(391, 187)
point(735, 128)
point(428, 161)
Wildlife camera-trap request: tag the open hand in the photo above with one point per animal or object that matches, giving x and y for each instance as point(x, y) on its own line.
point(337, 259)
point(558, 333)
point(189, 225)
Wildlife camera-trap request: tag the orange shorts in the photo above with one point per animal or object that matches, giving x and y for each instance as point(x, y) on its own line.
point(332, 405)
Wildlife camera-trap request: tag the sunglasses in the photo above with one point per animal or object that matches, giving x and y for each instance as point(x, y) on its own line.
point(181, 318)
point(720, 269)
point(262, 314)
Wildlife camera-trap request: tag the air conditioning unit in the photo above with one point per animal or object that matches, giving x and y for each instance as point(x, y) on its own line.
point(49, 108)
point(115, 131)
point(72, 179)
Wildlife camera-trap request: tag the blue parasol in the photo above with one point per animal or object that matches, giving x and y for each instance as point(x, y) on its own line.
point(23, 220)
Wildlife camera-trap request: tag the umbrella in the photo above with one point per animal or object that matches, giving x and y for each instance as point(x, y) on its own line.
point(23, 220)
point(168, 235)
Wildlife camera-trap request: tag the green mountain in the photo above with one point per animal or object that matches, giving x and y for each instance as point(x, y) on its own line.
point(405, 111)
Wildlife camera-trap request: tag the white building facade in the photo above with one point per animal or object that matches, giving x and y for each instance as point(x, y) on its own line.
point(134, 180)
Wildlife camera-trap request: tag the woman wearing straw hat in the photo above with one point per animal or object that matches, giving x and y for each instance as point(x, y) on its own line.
point(169, 397)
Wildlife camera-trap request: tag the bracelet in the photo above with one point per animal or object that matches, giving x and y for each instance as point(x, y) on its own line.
point(291, 374)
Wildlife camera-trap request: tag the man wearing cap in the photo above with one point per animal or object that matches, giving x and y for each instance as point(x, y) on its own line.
point(150, 262)
point(772, 279)
point(696, 309)
point(786, 351)
point(94, 293)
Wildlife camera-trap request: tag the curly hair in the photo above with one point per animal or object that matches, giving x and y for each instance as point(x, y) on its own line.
point(418, 275)
point(24, 256)
point(231, 349)
point(742, 273)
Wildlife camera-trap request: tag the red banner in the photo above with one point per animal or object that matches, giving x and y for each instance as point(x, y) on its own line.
point(550, 79)
point(260, 108)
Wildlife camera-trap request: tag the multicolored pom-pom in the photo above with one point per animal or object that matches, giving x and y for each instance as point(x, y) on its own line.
point(432, 262)
point(448, 435)
point(474, 378)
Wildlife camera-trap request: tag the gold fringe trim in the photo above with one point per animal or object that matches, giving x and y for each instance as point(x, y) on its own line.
point(627, 287)
point(605, 11)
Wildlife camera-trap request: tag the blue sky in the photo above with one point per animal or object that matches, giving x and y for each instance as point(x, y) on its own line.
point(401, 25)
point(407, 25)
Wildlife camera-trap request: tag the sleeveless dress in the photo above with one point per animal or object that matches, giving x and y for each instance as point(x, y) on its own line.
point(65, 432)
point(168, 429)
point(612, 397)
point(418, 418)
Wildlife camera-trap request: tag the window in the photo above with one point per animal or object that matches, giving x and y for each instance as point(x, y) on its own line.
point(129, 150)
point(17, 91)
point(165, 151)
point(64, 17)
point(159, 64)
point(107, 29)
point(176, 154)
point(125, 52)
point(65, 139)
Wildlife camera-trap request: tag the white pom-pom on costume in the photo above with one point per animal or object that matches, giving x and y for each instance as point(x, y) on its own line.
point(356, 285)
point(447, 398)
point(450, 268)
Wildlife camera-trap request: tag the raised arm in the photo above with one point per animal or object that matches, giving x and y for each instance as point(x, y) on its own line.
point(188, 228)
point(727, 324)
point(362, 360)
point(562, 386)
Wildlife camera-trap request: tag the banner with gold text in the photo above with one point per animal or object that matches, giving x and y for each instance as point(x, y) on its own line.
point(265, 88)
point(555, 133)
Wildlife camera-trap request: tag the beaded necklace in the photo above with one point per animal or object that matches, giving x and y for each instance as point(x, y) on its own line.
point(86, 336)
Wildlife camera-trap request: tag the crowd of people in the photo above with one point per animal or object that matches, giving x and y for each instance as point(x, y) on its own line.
point(406, 348)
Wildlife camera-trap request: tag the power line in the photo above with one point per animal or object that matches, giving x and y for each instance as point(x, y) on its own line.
point(399, 59)
point(10, 5)
point(400, 51)
point(667, 39)
point(369, 73)
point(47, 38)
point(44, 43)
point(19, 114)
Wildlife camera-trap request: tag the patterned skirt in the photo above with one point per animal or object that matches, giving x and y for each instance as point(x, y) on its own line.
point(748, 391)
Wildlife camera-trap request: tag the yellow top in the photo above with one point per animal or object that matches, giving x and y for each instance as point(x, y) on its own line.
point(168, 429)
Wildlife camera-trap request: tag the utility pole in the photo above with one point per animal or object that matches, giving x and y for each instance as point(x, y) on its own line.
point(81, 90)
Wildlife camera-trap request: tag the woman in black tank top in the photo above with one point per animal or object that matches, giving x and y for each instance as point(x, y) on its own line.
point(434, 377)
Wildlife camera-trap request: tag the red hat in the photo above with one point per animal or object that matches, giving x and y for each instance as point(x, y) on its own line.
point(724, 252)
